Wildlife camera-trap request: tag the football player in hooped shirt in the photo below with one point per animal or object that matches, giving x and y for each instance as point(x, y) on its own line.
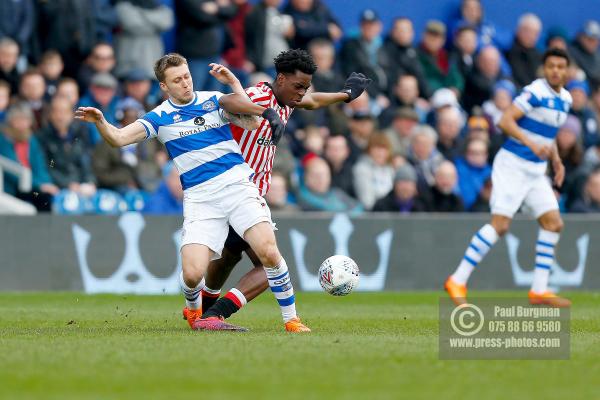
point(289, 90)
point(218, 192)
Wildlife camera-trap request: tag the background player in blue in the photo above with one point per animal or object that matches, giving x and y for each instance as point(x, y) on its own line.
point(216, 181)
point(519, 178)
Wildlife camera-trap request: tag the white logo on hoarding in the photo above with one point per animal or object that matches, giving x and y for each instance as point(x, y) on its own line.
point(341, 229)
point(132, 275)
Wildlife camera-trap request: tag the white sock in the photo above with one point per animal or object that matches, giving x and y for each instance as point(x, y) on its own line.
point(479, 246)
point(193, 300)
point(281, 286)
point(544, 258)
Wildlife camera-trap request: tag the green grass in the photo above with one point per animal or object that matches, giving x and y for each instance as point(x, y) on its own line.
point(367, 346)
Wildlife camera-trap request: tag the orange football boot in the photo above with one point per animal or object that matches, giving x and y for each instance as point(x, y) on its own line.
point(457, 292)
point(191, 315)
point(548, 298)
point(295, 325)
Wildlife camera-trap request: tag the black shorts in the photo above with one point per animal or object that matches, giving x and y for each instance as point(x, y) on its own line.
point(234, 243)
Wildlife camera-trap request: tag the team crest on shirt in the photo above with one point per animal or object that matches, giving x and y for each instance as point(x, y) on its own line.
point(551, 103)
point(209, 106)
point(176, 118)
point(199, 121)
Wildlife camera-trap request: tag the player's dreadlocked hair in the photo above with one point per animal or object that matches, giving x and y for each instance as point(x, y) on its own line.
point(294, 60)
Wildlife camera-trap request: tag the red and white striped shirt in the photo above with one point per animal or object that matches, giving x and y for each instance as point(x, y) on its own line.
point(256, 145)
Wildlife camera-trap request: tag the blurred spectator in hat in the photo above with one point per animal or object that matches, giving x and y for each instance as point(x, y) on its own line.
point(4, 99)
point(449, 124)
point(503, 93)
point(100, 61)
point(9, 56)
point(67, 148)
point(404, 196)
point(267, 32)
point(312, 20)
point(405, 94)
point(473, 171)
point(398, 56)
point(361, 126)
point(138, 43)
point(464, 49)
point(443, 196)
point(67, 87)
point(589, 202)
point(523, 57)
point(557, 38)
point(277, 196)
point(478, 127)
point(480, 82)
point(316, 194)
point(439, 70)
point(32, 89)
point(102, 94)
point(337, 155)
point(137, 84)
point(167, 199)
point(580, 108)
point(472, 13)
point(51, 68)
point(584, 51)
point(17, 143)
point(424, 155)
point(373, 172)
point(442, 98)
point(360, 54)
point(401, 130)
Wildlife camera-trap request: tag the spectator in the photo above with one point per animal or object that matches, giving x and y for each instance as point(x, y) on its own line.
point(67, 87)
point(405, 94)
point(442, 98)
point(4, 99)
point(580, 91)
point(314, 140)
point(404, 197)
point(277, 196)
point(449, 124)
point(337, 155)
point(360, 54)
point(235, 51)
point(51, 68)
point(361, 126)
point(374, 173)
point(102, 95)
point(18, 144)
point(503, 93)
point(473, 171)
point(584, 51)
point(439, 70)
point(465, 47)
point(32, 89)
point(17, 22)
point(524, 58)
point(571, 153)
point(267, 32)
point(482, 203)
point(443, 198)
point(168, 197)
point(100, 61)
point(67, 148)
point(423, 154)
point(398, 56)
point(138, 43)
point(487, 33)
point(105, 18)
point(9, 55)
point(400, 132)
point(480, 83)
point(557, 38)
point(316, 193)
point(590, 201)
point(312, 20)
point(138, 85)
point(327, 78)
point(200, 32)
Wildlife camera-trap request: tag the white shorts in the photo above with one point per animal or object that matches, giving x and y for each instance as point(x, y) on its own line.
point(517, 182)
point(207, 222)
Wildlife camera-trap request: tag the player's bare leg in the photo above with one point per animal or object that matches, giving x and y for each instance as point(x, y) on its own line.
point(481, 243)
point(551, 225)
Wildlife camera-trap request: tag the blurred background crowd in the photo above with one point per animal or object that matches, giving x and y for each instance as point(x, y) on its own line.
point(422, 139)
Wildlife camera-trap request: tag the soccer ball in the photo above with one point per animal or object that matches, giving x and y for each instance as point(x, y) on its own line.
point(338, 275)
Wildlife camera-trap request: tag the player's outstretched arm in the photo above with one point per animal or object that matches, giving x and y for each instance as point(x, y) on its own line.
point(508, 123)
point(354, 86)
point(116, 137)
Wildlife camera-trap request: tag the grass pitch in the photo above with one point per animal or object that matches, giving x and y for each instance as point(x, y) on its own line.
point(373, 346)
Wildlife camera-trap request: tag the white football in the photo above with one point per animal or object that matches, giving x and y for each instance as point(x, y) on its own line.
point(338, 275)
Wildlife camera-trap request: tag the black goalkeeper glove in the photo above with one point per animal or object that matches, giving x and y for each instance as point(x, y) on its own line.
point(355, 85)
point(277, 125)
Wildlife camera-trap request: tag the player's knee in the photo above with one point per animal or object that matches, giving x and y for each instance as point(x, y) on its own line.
point(192, 276)
point(269, 253)
point(555, 225)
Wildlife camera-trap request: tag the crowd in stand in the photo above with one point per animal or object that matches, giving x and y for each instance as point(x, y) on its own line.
point(422, 139)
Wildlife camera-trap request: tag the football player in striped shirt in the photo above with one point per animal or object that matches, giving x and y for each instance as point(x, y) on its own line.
point(288, 91)
point(216, 181)
point(519, 177)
